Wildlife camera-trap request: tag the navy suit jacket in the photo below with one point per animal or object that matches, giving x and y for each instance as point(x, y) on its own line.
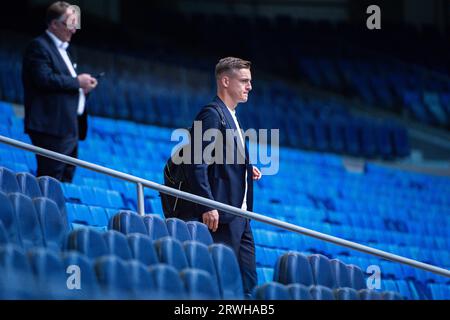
point(221, 182)
point(51, 93)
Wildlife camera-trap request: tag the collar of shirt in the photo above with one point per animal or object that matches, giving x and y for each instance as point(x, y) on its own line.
point(58, 43)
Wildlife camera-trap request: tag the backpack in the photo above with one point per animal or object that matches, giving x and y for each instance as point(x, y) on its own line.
point(175, 177)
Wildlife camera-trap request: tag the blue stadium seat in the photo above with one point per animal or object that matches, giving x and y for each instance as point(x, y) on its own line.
point(391, 295)
point(87, 241)
point(27, 221)
point(51, 223)
point(321, 293)
point(156, 227)
point(321, 269)
point(49, 273)
point(227, 270)
point(98, 216)
point(3, 235)
point(51, 188)
point(117, 244)
point(356, 277)
point(170, 251)
point(8, 218)
point(200, 284)
point(340, 273)
point(79, 214)
point(178, 229)
point(271, 291)
point(293, 267)
point(366, 294)
point(199, 232)
point(127, 222)
point(28, 185)
point(142, 283)
point(167, 281)
point(113, 277)
point(346, 294)
point(198, 257)
point(299, 292)
point(141, 247)
point(16, 273)
point(89, 288)
point(8, 181)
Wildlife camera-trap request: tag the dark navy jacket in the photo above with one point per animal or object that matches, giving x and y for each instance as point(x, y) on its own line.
point(221, 182)
point(51, 93)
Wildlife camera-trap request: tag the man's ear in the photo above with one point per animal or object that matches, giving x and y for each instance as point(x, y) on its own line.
point(225, 81)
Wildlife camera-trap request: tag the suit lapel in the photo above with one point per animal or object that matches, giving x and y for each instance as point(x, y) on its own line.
point(231, 125)
point(61, 65)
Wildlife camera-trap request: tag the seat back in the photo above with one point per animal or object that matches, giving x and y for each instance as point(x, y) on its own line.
point(89, 287)
point(156, 227)
point(199, 232)
point(51, 222)
point(167, 281)
point(293, 267)
point(356, 277)
point(198, 257)
point(51, 188)
point(321, 268)
point(178, 229)
point(49, 272)
point(8, 219)
point(200, 284)
point(142, 283)
point(227, 270)
point(346, 294)
point(142, 249)
point(127, 222)
point(366, 294)
point(171, 251)
point(27, 221)
point(88, 242)
point(271, 291)
point(113, 277)
point(321, 293)
point(28, 185)
point(340, 273)
point(117, 244)
point(8, 181)
point(299, 292)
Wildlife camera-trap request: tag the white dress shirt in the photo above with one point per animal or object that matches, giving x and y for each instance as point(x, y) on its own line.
point(233, 115)
point(62, 48)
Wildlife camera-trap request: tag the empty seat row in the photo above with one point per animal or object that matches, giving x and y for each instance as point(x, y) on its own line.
point(316, 269)
point(33, 187)
point(153, 225)
point(31, 223)
point(43, 274)
point(277, 291)
point(217, 260)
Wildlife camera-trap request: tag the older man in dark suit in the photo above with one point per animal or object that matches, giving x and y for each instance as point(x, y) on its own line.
point(55, 96)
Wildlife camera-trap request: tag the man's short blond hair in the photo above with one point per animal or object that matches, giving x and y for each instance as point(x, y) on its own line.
point(230, 64)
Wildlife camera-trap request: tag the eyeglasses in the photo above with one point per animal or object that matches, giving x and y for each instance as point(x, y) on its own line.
point(69, 26)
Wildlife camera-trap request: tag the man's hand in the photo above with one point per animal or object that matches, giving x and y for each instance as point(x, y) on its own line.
point(87, 83)
point(211, 219)
point(256, 173)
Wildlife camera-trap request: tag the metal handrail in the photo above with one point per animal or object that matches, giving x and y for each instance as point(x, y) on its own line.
point(141, 183)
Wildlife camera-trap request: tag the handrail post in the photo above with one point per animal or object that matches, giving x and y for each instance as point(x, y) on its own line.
point(140, 199)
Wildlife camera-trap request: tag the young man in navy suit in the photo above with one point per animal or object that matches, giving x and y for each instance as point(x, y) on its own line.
point(55, 96)
point(229, 183)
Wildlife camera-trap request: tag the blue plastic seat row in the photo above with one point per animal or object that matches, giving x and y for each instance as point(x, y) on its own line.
point(43, 274)
point(277, 291)
point(217, 260)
